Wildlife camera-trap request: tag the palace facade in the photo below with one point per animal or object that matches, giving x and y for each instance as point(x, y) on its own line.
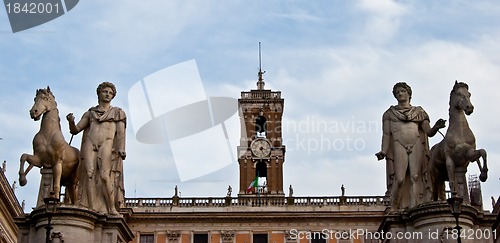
point(9, 209)
point(261, 213)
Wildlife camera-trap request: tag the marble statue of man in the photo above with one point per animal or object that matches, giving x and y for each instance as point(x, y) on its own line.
point(102, 152)
point(405, 147)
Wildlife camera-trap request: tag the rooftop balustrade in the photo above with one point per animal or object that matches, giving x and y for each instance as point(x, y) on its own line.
point(256, 201)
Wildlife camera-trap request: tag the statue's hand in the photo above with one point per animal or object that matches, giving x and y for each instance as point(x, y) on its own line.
point(122, 154)
point(70, 117)
point(380, 155)
point(440, 123)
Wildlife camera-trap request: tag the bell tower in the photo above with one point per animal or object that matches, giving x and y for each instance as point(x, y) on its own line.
point(261, 153)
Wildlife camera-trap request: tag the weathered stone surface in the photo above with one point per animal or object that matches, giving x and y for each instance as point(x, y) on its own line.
point(405, 146)
point(451, 157)
point(433, 222)
point(103, 151)
point(50, 150)
point(74, 224)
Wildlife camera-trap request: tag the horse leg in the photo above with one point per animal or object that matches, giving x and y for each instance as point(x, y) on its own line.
point(71, 193)
point(474, 156)
point(439, 193)
point(438, 186)
point(71, 187)
point(450, 168)
point(484, 171)
point(72, 162)
point(434, 172)
point(56, 173)
point(32, 160)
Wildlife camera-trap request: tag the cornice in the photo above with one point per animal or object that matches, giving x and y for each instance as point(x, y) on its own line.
point(261, 216)
point(8, 198)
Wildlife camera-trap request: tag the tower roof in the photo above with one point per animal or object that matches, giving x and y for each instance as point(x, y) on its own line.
point(260, 82)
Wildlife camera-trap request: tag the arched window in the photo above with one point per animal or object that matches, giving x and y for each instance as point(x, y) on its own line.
point(261, 169)
point(261, 172)
point(260, 125)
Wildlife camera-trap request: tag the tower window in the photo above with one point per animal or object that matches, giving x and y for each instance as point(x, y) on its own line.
point(261, 169)
point(261, 172)
point(260, 125)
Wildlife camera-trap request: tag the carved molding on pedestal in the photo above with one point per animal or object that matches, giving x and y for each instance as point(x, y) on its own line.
point(56, 237)
point(227, 236)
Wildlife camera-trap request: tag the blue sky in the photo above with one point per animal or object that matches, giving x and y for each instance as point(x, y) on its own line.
point(334, 61)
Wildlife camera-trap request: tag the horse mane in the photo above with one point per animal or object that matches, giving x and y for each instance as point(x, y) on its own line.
point(45, 91)
point(459, 85)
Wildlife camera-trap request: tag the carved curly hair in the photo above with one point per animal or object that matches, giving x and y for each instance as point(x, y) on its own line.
point(402, 85)
point(106, 85)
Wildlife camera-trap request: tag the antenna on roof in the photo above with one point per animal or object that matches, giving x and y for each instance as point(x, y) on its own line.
point(260, 59)
point(260, 83)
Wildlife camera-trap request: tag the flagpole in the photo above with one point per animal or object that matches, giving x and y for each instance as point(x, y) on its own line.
point(258, 191)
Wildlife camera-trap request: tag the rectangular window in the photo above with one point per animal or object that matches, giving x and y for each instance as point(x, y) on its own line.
point(200, 238)
point(318, 237)
point(259, 238)
point(147, 238)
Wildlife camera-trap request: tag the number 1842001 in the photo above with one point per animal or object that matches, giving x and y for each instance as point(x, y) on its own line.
point(470, 234)
point(33, 8)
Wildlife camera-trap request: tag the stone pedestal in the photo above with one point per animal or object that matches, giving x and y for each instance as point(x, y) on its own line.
point(73, 224)
point(45, 186)
point(432, 222)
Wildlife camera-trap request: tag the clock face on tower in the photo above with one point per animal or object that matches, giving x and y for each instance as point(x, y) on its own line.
point(260, 148)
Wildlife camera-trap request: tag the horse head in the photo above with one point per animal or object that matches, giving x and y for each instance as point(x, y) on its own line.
point(44, 101)
point(460, 98)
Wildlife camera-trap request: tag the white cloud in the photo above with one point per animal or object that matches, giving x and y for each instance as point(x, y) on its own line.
point(301, 16)
point(382, 20)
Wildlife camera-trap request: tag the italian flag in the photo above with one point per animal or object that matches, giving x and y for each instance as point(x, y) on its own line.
point(254, 183)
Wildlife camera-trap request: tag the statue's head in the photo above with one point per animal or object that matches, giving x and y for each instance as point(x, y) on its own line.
point(402, 85)
point(460, 98)
point(459, 85)
point(106, 85)
point(44, 101)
